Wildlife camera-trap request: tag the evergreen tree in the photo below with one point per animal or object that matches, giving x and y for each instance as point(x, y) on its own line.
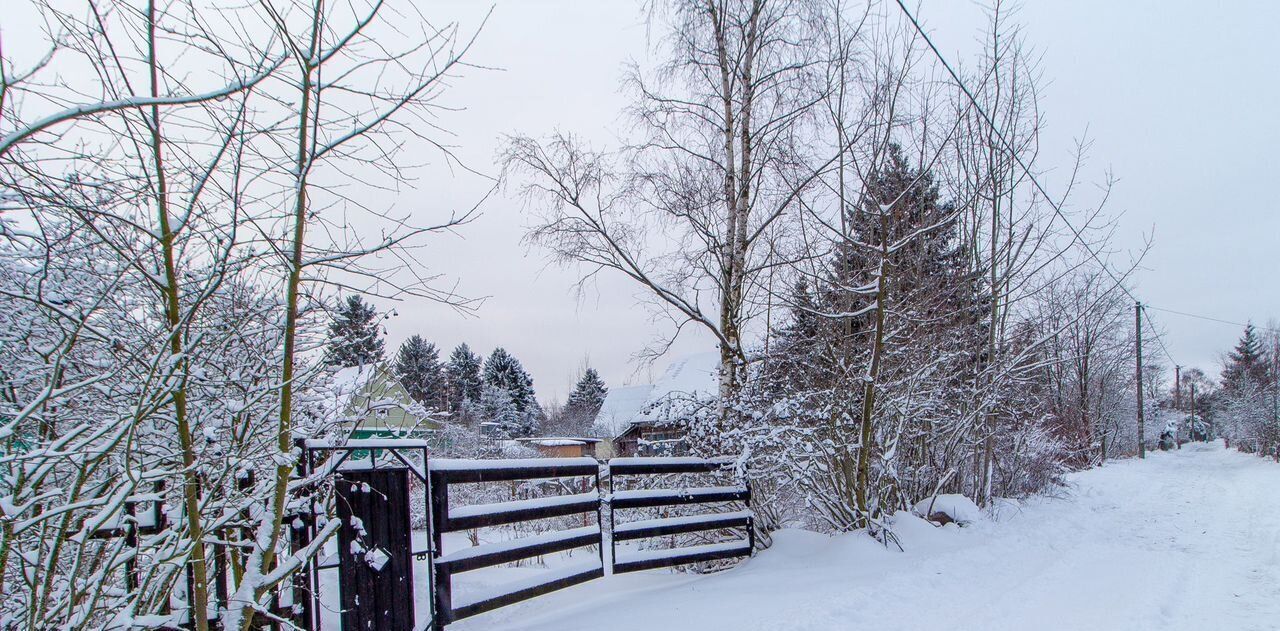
point(502, 370)
point(796, 346)
point(584, 403)
point(418, 368)
point(1245, 364)
point(496, 406)
point(354, 339)
point(463, 374)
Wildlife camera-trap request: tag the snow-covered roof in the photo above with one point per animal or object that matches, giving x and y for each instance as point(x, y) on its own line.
point(694, 375)
point(621, 405)
point(346, 383)
point(558, 441)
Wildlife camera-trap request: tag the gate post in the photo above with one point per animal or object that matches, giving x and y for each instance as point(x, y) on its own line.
point(375, 549)
point(441, 583)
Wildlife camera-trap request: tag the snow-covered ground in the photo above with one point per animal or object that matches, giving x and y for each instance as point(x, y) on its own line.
point(1184, 540)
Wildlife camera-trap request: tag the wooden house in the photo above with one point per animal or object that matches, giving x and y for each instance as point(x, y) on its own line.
point(562, 447)
point(645, 419)
point(372, 403)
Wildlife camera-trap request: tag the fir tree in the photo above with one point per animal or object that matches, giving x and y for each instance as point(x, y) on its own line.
point(354, 338)
point(1245, 365)
point(497, 407)
point(418, 368)
point(584, 402)
point(502, 370)
point(463, 374)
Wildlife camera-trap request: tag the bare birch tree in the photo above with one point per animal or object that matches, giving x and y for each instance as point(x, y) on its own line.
point(686, 212)
point(174, 301)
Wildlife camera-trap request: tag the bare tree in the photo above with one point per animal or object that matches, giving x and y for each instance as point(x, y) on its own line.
point(175, 302)
point(687, 211)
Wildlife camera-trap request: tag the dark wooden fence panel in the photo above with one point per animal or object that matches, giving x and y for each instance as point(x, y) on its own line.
point(735, 521)
point(374, 549)
point(444, 473)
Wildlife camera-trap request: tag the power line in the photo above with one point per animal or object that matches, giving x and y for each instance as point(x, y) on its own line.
point(1078, 236)
point(1156, 334)
point(1213, 319)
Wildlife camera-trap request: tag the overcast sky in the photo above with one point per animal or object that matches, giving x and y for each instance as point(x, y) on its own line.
point(1179, 99)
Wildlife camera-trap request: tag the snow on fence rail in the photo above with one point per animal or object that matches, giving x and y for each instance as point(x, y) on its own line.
point(742, 520)
point(443, 473)
point(446, 473)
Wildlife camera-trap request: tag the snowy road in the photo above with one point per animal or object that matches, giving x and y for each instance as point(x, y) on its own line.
point(1185, 540)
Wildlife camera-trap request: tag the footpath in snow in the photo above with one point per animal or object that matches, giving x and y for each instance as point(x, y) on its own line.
point(1188, 540)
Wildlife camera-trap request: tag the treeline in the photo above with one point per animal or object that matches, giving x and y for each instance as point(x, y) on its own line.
point(494, 393)
point(1244, 405)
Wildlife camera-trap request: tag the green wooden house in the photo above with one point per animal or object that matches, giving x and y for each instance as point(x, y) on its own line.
point(372, 403)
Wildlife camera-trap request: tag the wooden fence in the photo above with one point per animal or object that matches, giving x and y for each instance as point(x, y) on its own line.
point(444, 473)
point(374, 556)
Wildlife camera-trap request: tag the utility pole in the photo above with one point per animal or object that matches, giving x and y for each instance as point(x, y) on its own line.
point(1137, 320)
point(1192, 427)
point(1177, 403)
point(1177, 388)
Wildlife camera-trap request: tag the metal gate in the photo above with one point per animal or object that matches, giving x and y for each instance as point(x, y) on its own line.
point(374, 558)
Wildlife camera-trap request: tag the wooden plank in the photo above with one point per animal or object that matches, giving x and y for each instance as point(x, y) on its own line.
point(522, 510)
point(506, 552)
point(375, 597)
point(653, 466)
point(680, 525)
point(505, 474)
point(651, 498)
point(526, 593)
point(695, 554)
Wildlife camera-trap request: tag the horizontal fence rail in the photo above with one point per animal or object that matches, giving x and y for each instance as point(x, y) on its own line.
point(741, 520)
point(444, 473)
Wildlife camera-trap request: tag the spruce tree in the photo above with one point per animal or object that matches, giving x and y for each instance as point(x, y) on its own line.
point(496, 406)
point(502, 370)
point(418, 368)
point(584, 402)
point(354, 339)
point(1245, 365)
point(463, 374)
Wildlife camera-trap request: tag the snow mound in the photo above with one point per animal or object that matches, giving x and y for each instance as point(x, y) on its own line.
point(910, 528)
point(959, 508)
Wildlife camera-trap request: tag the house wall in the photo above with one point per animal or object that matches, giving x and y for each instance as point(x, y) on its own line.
point(635, 442)
point(562, 451)
point(391, 419)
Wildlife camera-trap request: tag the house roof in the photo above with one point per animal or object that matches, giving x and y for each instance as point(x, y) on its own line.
point(558, 441)
point(621, 406)
point(695, 375)
point(354, 391)
point(344, 384)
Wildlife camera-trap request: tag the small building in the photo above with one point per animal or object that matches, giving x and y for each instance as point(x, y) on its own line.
point(562, 447)
point(650, 438)
point(639, 416)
